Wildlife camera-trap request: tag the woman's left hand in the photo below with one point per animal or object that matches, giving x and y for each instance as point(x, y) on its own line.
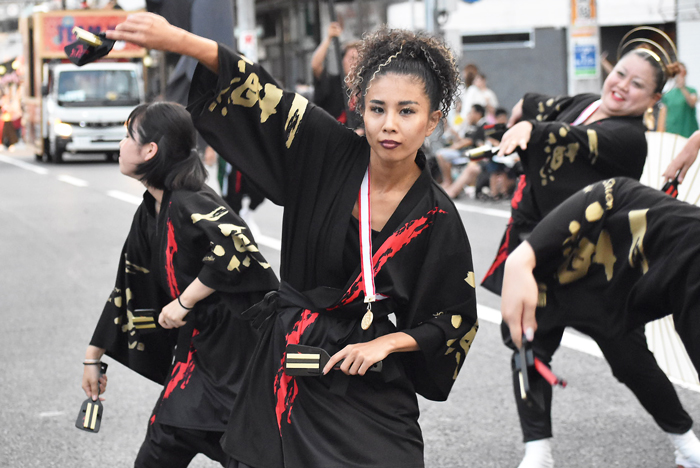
point(172, 315)
point(517, 137)
point(359, 357)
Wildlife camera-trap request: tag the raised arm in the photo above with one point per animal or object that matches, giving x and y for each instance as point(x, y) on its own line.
point(154, 32)
point(319, 56)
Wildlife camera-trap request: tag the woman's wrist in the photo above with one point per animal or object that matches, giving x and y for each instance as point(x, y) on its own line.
point(94, 353)
point(186, 307)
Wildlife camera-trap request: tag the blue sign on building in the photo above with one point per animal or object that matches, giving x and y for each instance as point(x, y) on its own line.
point(586, 62)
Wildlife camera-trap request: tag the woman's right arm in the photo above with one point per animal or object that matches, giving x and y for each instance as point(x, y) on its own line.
point(684, 159)
point(154, 32)
point(91, 372)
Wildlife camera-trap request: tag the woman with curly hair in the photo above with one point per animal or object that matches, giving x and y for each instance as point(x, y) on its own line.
point(367, 234)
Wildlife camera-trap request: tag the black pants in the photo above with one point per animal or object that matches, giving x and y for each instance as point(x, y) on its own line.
point(631, 363)
point(173, 447)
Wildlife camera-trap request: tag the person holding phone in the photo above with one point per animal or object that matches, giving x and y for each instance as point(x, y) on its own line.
point(188, 268)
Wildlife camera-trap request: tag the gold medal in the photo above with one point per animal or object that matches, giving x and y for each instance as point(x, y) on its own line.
point(367, 320)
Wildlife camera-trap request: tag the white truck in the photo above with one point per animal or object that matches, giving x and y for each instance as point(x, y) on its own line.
point(85, 108)
point(77, 109)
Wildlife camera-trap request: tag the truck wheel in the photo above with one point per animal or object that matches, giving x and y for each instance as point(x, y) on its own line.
point(55, 152)
point(44, 153)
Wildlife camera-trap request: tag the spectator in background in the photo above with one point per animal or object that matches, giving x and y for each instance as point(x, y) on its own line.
point(680, 102)
point(473, 136)
point(479, 93)
point(330, 91)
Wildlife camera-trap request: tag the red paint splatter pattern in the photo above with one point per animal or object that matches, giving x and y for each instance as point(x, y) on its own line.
point(398, 240)
point(170, 251)
point(285, 386)
point(182, 371)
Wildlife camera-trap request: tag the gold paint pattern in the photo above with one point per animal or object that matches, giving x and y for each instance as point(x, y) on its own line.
point(133, 268)
point(593, 144)
point(296, 114)
point(557, 154)
point(249, 93)
point(219, 251)
point(215, 215)
point(578, 263)
point(456, 320)
point(470, 279)
point(604, 254)
point(594, 212)
point(465, 343)
point(609, 184)
point(638, 228)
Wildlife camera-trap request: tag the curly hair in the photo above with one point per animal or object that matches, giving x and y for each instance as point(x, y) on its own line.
point(405, 53)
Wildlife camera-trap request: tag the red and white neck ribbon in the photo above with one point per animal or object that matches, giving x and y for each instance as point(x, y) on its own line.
point(587, 112)
point(366, 240)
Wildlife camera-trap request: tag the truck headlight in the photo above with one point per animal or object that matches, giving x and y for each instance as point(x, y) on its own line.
point(62, 129)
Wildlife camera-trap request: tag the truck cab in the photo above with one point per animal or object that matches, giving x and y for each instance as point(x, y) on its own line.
point(85, 108)
point(74, 109)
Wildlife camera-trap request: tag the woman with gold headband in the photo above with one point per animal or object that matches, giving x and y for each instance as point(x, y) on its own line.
point(348, 261)
point(565, 144)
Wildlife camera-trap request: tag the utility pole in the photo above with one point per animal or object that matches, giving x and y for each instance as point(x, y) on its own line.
point(429, 16)
point(247, 31)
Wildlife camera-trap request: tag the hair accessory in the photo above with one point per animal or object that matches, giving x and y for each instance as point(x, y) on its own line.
point(381, 65)
point(628, 40)
point(430, 60)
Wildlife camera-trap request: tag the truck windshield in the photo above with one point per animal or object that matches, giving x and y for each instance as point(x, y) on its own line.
point(88, 88)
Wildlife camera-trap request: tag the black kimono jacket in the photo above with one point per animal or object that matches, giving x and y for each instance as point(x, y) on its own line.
point(561, 159)
point(195, 235)
point(303, 159)
point(619, 254)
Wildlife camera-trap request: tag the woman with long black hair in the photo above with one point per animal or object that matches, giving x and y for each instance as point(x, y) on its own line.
point(188, 268)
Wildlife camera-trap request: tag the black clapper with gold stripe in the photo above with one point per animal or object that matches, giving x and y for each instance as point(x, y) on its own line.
point(90, 414)
point(309, 361)
point(524, 361)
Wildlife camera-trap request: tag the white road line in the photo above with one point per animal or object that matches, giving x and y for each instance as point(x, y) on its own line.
point(72, 180)
point(51, 414)
point(126, 197)
point(486, 211)
point(570, 340)
point(30, 167)
point(579, 343)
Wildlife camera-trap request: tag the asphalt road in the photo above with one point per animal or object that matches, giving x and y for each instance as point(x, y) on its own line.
point(61, 231)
